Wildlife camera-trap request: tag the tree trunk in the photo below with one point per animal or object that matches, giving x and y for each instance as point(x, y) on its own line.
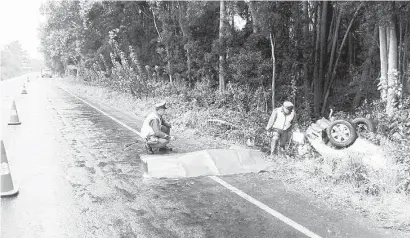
point(222, 53)
point(400, 44)
point(331, 29)
point(387, 40)
point(252, 8)
point(392, 74)
point(156, 27)
point(306, 59)
point(350, 49)
point(272, 44)
point(332, 54)
point(332, 78)
point(149, 72)
point(322, 60)
point(365, 71)
point(383, 63)
point(142, 73)
point(167, 46)
point(406, 76)
point(316, 63)
point(403, 57)
point(187, 41)
point(169, 68)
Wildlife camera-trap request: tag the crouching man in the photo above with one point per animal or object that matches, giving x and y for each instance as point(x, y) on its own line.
point(156, 130)
point(279, 125)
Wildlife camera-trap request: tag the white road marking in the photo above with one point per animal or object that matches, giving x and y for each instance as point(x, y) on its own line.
point(264, 207)
point(106, 114)
point(233, 189)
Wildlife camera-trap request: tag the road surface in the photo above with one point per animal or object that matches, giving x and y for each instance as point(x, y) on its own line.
point(75, 180)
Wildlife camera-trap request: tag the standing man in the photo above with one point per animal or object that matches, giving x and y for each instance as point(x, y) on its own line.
point(279, 126)
point(156, 130)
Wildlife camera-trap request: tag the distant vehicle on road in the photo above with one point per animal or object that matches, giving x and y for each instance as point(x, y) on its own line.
point(46, 73)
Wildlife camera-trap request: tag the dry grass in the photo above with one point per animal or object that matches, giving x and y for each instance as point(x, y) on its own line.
point(350, 184)
point(341, 182)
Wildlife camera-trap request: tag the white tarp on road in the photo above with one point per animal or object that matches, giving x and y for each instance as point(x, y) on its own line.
point(235, 160)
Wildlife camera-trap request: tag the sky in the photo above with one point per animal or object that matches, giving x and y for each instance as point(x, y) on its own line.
point(19, 20)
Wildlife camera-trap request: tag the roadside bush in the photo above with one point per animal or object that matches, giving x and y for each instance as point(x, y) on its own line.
point(396, 128)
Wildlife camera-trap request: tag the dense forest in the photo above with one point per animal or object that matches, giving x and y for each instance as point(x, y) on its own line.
point(318, 54)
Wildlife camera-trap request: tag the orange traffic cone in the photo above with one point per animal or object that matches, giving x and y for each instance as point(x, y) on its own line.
point(14, 118)
point(7, 187)
point(24, 91)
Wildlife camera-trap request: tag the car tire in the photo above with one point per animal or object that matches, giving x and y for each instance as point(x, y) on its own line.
point(341, 133)
point(364, 123)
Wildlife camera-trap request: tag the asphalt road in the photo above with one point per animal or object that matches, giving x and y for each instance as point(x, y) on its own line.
point(75, 180)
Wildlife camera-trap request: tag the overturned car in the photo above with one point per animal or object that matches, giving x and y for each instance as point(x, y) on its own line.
point(338, 133)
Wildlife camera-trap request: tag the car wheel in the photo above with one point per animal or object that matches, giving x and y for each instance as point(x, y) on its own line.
point(363, 124)
point(341, 133)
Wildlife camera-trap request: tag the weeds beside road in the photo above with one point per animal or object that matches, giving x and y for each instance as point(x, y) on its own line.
point(342, 183)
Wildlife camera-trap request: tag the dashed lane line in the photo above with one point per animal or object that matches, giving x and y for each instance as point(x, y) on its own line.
point(233, 189)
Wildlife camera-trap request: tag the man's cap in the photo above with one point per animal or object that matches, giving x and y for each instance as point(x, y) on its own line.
point(161, 105)
point(288, 104)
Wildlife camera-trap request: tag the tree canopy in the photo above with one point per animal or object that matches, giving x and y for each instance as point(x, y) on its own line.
point(16, 61)
point(316, 54)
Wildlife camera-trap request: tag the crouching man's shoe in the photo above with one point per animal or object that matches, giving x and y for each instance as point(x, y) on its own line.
point(165, 149)
point(149, 149)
